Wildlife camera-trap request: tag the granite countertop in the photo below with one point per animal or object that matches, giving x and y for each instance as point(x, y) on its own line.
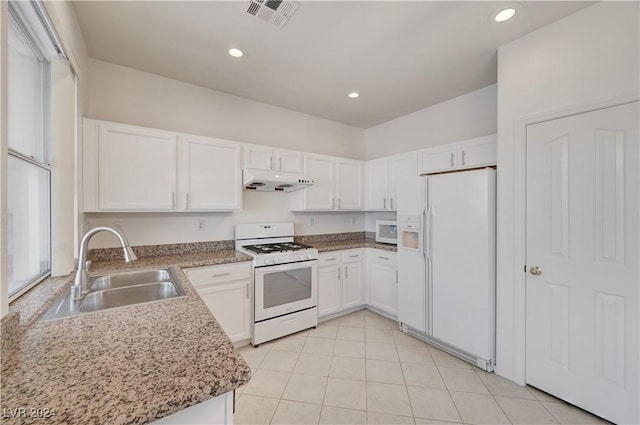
point(124, 366)
point(337, 245)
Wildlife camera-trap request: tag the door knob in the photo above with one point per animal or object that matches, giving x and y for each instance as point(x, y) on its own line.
point(535, 270)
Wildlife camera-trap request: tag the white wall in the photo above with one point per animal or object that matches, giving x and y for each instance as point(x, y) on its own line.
point(4, 283)
point(126, 95)
point(464, 117)
point(589, 56)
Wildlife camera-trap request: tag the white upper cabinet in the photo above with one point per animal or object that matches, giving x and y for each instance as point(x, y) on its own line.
point(130, 168)
point(210, 174)
point(383, 176)
point(266, 158)
point(338, 185)
point(349, 183)
point(472, 153)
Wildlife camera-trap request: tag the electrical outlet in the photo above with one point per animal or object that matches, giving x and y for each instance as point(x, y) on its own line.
point(201, 225)
point(117, 225)
point(353, 219)
point(312, 221)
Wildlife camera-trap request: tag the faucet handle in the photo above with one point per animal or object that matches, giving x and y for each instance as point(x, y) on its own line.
point(87, 265)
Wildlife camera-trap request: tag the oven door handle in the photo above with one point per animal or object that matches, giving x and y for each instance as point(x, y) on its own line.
point(284, 267)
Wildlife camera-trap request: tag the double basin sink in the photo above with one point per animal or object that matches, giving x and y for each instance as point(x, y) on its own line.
point(119, 290)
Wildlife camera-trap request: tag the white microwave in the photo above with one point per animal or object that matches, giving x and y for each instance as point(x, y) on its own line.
point(387, 231)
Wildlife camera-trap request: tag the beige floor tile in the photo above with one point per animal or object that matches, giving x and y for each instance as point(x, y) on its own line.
point(350, 333)
point(313, 364)
point(374, 418)
point(419, 375)
point(324, 331)
point(239, 390)
point(385, 372)
point(280, 360)
point(388, 398)
point(254, 356)
point(339, 416)
point(380, 351)
point(541, 395)
point(355, 320)
point(433, 404)
point(254, 410)
point(520, 411)
point(294, 412)
point(347, 368)
point(290, 343)
point(379, 335)
point(372, 320)
point(346, 393)
point(447, 360)
point(411, 354)
point(319, 346)
point(305, 388)
point(478, 408)
point(345, 348)
point(331, 322)
point(498, 385)
point(426, 421)
point(462, 380)
point(568, 414)
point(402, 338)
point(267, 383)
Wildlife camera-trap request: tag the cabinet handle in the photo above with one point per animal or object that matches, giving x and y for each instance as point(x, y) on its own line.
point(221, 274)
point(173, 199)
point(384, 203)
point(339, 203)
point(353, 256)
point(187, 199)
point(463, 157)
point(333, 202)
point(452, 158)
point(391, 199)
point(247, 292)
point(396, 277)
point(383, 258)
point(346, 272)
point(338, 273)
point(330, 259)
point(280, 163)
point(271, 162)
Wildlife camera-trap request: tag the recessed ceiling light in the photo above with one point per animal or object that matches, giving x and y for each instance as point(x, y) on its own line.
point(353, 95)
point(505, 14)
point(236, 53)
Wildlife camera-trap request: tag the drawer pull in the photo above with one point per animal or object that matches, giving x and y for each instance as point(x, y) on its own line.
point(354, 256)
point(221, 275)
point(331, 259)
point(383, 258)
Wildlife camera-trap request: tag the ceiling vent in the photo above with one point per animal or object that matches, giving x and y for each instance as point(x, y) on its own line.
point(275, 12)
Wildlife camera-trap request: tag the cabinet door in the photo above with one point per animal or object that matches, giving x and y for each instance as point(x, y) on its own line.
point(320, 195)
point(352, 295)
point(329, 290)
point(137, 168)
point(377, 184)
point(349, 184)
point(440, 158)
point(478, 152)
point(383, 288)
point(231, 306)
point(258, 157)
point(289, 161)
point(401, 168)
point(210, 173)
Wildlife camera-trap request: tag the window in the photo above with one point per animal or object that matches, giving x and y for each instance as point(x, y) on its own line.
point(28, 171)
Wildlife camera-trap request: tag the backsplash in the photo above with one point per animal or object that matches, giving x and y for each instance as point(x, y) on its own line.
point(108, 254)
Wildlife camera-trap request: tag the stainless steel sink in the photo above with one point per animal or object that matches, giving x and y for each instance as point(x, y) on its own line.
point(119, 290)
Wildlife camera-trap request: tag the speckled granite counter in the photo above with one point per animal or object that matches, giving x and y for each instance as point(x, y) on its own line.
point(124, 366)
point(351, 244)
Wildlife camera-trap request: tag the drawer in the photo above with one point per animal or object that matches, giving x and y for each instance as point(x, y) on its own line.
point(329, 259)
point(384, 257)
point(218, 274)
point(351, 256)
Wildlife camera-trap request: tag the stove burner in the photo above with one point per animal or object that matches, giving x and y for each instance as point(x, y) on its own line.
point(276, 247)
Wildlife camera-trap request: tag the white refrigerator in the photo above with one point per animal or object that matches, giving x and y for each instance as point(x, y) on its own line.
point(446, 262)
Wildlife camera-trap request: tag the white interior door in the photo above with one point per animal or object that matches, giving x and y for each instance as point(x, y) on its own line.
point(582, 233)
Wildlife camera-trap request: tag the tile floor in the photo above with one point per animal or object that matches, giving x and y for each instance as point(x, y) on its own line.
point(360, 369)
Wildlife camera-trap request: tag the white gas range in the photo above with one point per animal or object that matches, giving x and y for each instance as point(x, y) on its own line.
point(285, 280)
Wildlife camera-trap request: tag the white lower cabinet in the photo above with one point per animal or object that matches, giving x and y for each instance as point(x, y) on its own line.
point(218, 410)
point(226, 290)
point(382, 280)
point(340, 283)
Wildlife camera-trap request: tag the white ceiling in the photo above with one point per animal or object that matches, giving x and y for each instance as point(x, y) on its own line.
point(400, 56)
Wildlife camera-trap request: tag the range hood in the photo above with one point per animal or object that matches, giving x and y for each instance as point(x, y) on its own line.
point(273, 181)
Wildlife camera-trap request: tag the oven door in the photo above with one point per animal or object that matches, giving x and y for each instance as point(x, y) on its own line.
point(285, 289)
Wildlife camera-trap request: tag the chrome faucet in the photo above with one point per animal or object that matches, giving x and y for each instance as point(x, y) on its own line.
point(81, 281)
